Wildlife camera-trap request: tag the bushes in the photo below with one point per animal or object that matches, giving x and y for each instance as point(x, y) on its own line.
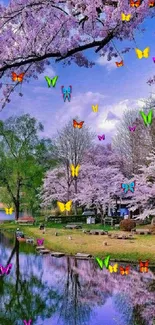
point(127, 225)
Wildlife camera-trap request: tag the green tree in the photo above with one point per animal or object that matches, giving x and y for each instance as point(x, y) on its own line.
point(24, 158)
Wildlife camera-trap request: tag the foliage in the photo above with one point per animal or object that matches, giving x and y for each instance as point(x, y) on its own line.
point(127, 224)
point(71, 27)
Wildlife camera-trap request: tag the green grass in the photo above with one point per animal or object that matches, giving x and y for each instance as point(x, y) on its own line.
point(142, 247)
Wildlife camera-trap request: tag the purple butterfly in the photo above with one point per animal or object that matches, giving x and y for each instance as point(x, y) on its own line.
point(101, 137)
point(153, 59)
point(29, 322)
point(5, 270)
point(40, 241)
point(132, 128)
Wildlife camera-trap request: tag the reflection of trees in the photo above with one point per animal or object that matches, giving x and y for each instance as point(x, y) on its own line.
point(28, 299)
point(80, 286)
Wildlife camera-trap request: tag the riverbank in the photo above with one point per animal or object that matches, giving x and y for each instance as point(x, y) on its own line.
point(141, 247)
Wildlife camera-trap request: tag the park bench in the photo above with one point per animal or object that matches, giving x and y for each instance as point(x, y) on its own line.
point(141, 231)
point(77, 225)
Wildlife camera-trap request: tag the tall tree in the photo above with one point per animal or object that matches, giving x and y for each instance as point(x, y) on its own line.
point(69, 147)
point(70, 27)
point(20, 170)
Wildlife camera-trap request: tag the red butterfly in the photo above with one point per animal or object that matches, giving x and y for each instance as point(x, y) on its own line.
point(77, 125)
point(119, 64)
point(151, 3)
point(17, 77)
point(135, 3)
point(124, 270)
point(144, 266)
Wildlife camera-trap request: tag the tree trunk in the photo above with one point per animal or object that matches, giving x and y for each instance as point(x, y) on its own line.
point(75, 186)
point(17, 210)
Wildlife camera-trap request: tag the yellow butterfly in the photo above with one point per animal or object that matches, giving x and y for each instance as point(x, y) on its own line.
point(63, 206)
point(74, 170)
point(8, 211)
point(125, 17)
point(113, 268)
point(143, 54)
point(95, 108)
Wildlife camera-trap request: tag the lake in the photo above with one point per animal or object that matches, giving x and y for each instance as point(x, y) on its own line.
point(4, 216)
point(67, 291)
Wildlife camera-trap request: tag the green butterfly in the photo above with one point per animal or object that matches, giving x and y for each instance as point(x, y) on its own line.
point(51, 81)
point(147, 118)
point(103, 262)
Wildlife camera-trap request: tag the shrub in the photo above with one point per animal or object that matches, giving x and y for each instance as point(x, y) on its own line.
point(127, 225)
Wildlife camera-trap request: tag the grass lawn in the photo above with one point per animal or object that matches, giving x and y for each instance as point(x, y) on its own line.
point(142, 247)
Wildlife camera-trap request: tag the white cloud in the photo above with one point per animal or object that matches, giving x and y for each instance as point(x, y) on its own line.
point(109, 65)
point(49, 71)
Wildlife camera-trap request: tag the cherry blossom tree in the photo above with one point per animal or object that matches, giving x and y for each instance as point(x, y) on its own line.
point(32, 32)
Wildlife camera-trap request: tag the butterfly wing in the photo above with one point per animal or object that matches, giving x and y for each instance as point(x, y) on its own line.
point(20, 77)
point(14, 76)
point(123, 16)
point(127, 269)
point(74, 124)
point(54, 80)
point(49, 81)
point(149, 117)
point(128, 17)
point(132, 186)
point(10, 210)
point(151, 3)
point(77, 170)
point(68, 205)
point(153, 59)
point(110, 269)
point(119, 64)
point(122, 270)
point(80, 124)
point(144, 117)
point(72, 168)
point(115, 267)
point(139, 53)
point(125, 187)
point(146, 52)
point(61, 206)
point(7, 210)
point(100, 262)
point(106, 261)
point(8, 268)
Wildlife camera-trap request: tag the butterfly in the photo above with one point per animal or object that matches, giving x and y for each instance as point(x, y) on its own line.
point(132, 128)
point(143, 54)
point(8, 211)
point(66, 93)
point(144, 266)
point(51, 82)
point(18, 77)
point(63, 206)
point(5, 270)
point(40, 241)
point(125, 17)
point(95, 108)
point(101, 137)
point(27, 323)
point(104, 262)
point(124, 270)
point(135, 3)
point(147, 118)
point(77, 125)
point(119, 64)
point(151, 3)
point(113, 268)
point(153, 59)
point(74, 170)
point(128, 187)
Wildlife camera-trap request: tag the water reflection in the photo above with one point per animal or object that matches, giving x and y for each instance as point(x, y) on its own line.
point(67, 291)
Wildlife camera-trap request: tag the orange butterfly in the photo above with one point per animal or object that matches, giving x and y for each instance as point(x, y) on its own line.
point(78, 125)
point(144, 266)
point(124, 270)
point(135, 3)
point(151, 3)
point(119, 64)
point(17, 77)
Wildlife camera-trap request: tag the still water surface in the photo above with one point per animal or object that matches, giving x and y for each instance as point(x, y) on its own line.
point(66, 291)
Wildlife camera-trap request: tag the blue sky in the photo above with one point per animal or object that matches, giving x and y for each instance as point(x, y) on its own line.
point(113, 89)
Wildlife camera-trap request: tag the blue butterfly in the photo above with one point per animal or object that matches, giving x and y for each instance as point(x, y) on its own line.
point(66, 93)
point(128, 187)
